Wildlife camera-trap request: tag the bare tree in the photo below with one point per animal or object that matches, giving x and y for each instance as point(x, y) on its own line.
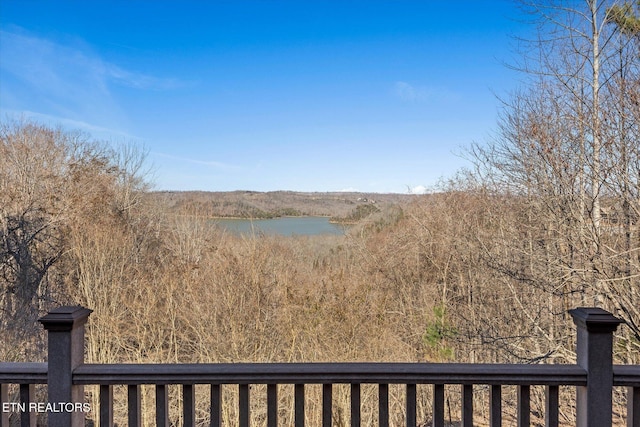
point(50, 180)
point(566, 147)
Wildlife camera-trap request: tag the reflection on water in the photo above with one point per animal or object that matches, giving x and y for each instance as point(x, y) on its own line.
point(286, 226)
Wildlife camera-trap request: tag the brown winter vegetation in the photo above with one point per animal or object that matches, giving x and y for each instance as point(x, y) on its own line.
point(463, 275)
point(484, 270)
point(272, 204)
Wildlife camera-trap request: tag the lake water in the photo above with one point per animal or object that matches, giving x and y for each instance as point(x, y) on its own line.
point(286, 226)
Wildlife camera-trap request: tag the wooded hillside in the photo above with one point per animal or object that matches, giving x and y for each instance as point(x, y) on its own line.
point(483, 270)
point(254, 204)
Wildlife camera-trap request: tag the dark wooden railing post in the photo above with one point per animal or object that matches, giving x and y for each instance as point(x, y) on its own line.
point(595, 354)
point(65, 327)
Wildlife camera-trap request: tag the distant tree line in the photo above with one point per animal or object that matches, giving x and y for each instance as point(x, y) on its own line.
point(484, 270)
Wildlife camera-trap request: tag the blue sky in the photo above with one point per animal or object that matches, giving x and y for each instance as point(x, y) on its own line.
point(372, 96)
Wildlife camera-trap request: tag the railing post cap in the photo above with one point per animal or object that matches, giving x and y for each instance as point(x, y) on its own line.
point(595, 319)
point(65, 318)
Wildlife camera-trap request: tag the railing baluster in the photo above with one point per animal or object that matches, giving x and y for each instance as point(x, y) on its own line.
point(106, 405)
point(524, 406)
point(189, 405)
point(272, 405)
point(215, 412)
point(4, 397)
point(65, 375)
point(134, 406)
point(327, 404)
point(383, 405)
point(411, 405)
point(162, 405)
point(243, 405)
point(438, 405)
point(467, 405)
point(633, 406)
point(355, 405)
point(495, 402)
point(27, 395)
point(551, 406)
point(299, 405)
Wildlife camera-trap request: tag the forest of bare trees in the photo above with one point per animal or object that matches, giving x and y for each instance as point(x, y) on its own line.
point(484, 270)
point(567, 152)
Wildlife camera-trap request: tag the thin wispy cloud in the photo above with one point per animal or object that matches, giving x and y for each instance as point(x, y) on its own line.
point(68, 80)
point(211, 163)
point(96, 131)
point(143, 81)
point(408, 92)
point(59, 78)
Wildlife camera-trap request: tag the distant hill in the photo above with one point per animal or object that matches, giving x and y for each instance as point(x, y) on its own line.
point(253, 204)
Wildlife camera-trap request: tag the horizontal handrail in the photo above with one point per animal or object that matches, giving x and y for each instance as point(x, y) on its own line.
point(330, 373)
point(320, 373)
point(23, 373)
point(626, 375)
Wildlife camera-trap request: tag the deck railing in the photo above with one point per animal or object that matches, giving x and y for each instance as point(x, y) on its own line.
point(66, 374)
